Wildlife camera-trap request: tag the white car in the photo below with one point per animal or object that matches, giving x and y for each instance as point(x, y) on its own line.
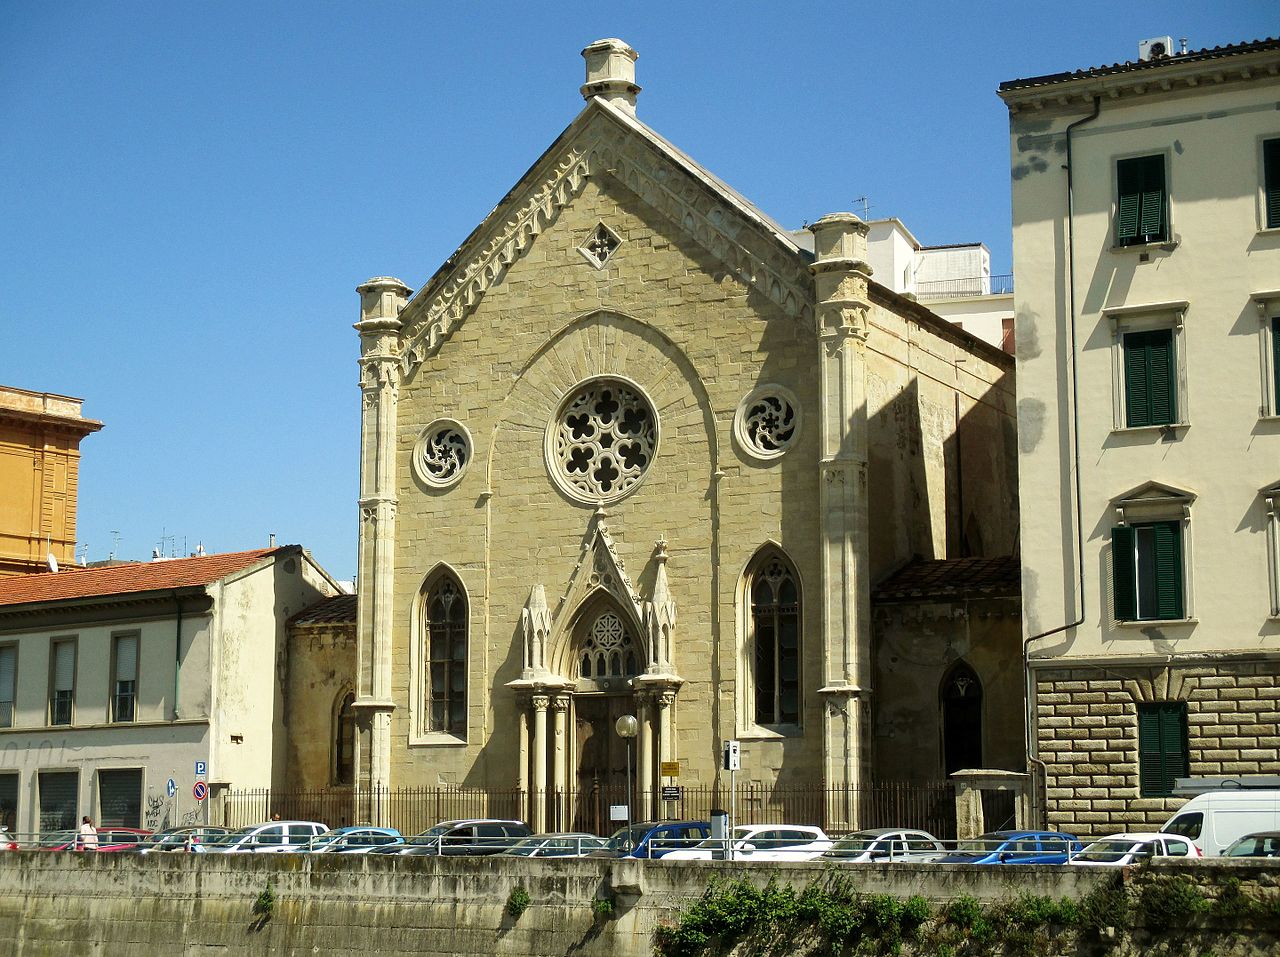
point(1117, 850)
point(272, 837)
point(760, 842)
point(884, 844)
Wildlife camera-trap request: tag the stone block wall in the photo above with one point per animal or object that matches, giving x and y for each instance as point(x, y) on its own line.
point(1087, 731)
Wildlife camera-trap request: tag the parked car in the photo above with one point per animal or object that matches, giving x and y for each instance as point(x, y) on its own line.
point(885, 844)
point(565, 844)
point(1264, 844)
point(7, 843)
point(54, 841)
point(114, 839)
point(652, 839)
point(272, 837)
point(180, 838)
point(358, 839)
point(759, 842)
point(1118, 850)
point(466, 838)
point(1216, 820)
point(1015, 847)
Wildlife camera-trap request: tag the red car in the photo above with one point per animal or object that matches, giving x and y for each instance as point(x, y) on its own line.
point(109, 839)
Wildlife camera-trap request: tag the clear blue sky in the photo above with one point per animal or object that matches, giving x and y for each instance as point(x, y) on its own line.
point(190, 192)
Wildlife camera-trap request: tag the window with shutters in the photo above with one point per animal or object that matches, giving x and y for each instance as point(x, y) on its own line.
point(1271, 501)
point(1142, 201)
point(1150, 570)
point(1150, 397)
point(62, 681)
point(1162, 747)
point(124, 685)
point(1271, 184)
point(1149, 366)
point(1268, 307)
point(443, 654)
point(8, 683)
point(773, 592)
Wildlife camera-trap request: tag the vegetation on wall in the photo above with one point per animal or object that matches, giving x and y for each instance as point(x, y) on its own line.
point(829, 917)
point(517, 901)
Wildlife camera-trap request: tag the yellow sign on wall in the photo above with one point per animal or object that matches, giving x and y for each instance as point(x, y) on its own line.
point(670, 769)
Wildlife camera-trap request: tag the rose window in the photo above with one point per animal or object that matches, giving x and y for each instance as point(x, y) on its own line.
point(600, 445)
point(608, 651)
point(442, 452)
point(767, 422)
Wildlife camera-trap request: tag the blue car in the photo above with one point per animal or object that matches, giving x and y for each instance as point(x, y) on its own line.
point(653, 839)
point(1015, 847)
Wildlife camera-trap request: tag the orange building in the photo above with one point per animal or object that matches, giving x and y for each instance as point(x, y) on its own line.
point(40, 437)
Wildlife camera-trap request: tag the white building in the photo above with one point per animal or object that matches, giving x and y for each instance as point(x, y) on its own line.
point(1146, 238)
point(115, 680)
point(953, 281)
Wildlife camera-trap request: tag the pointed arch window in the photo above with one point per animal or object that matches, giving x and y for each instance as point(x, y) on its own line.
point(961, 719)
point(445, 652)
point(608, 650)
point(344, 740)
point(774, 591)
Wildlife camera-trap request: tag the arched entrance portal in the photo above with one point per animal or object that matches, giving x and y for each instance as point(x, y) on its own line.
point(609, 658)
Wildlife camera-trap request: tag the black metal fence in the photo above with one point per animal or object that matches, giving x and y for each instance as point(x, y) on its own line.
point(929, 807)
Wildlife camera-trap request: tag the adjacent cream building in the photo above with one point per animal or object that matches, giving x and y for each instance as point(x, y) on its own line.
point(115, 680)
point(1146, 209)
point(632, 450)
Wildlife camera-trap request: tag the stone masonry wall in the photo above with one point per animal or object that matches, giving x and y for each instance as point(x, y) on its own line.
point(1088, 735)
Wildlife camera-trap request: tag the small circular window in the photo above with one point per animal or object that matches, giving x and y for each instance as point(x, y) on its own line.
point(442, 453)
point(767, 422)
point(601, 442)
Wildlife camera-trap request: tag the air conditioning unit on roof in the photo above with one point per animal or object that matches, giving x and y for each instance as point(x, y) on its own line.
point(1157, 48)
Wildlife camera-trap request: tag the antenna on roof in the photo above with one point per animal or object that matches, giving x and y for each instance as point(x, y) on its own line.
point(115, 543)
point(866, 206)
point(50, 559)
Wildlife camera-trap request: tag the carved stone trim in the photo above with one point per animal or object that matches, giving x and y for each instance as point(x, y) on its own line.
point(767, 422)
point(442, 453)
point(598, 248)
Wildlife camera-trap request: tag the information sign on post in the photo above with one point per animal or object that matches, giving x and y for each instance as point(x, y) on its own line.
point(617, 812)
point(670, 769)
point(171, 787)
point(671, 792)
point(202, 769)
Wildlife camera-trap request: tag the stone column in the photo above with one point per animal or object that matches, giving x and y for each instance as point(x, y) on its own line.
point(540, 703)
point(840, 276)
point(559, 744)
point(381, 300)
point(522, 771)
point(644, 759)
point(666, 730)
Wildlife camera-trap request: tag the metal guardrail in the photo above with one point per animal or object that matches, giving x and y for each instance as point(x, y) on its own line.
point(999, 285)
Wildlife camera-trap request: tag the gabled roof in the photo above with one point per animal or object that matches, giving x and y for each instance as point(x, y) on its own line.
point(609, 144)
point(131, 578)
point(953, 578)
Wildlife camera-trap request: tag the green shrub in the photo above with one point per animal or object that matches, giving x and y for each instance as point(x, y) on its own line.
point(265, 904)
point(517, 901)
point(1171, 902)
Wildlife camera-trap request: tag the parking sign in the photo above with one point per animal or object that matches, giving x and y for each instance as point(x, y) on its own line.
point(201, 769)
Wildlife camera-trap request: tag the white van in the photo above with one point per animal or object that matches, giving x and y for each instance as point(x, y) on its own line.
point(1214, 820)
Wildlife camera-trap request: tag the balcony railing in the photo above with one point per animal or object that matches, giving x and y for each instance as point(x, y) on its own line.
point(960, 288)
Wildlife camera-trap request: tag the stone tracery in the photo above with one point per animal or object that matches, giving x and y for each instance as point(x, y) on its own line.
point(601, 443)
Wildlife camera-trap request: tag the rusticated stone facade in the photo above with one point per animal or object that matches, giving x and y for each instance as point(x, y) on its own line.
point(1088, 734)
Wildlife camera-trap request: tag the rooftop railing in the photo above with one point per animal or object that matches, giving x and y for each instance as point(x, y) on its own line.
point(960, 288)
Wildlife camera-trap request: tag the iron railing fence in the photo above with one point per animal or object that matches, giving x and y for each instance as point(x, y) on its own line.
point(967, 286)
point(597, 810)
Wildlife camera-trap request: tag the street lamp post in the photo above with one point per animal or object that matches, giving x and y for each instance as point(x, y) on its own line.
point(627, 727)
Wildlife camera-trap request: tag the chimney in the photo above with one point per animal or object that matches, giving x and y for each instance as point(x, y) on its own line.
point(611, 73)
point(272, 540)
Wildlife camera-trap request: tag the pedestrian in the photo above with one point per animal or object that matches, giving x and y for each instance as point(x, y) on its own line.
point(276, 816)
point(88, 838)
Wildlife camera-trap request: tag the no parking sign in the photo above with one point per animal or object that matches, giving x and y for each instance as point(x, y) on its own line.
point(200, 791)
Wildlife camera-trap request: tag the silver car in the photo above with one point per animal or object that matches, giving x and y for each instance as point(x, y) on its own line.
point(273, 837)
point(885, 844)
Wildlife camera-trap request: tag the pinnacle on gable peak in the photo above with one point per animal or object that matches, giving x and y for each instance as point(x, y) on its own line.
point(611, 73)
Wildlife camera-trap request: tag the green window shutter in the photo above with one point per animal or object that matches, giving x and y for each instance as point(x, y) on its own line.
point(1173, 743)
point(1124, 586)
point(1168, 562)
point(1271, 182)
point(1137, 393)
point(1160, 369)
point(1275, 364)
point(1150, 757)
point(1141, 200)
point(1128, 201)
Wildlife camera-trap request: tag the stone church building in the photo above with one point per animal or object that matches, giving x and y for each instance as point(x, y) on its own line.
point(636, 449)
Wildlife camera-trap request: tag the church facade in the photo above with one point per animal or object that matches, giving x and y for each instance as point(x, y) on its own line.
point(632, 450)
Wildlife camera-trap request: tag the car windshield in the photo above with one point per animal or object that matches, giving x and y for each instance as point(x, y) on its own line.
point(526, 848)
point(627, 838)
point(56, 839)
point(229, 838)
point(739, 834)
point(1186, 825)
point(164, 837)
point(982, 844)
point(855, 843)
point(328, 837)
point(1108, 852)
point(1255, 845)
point(431, 835)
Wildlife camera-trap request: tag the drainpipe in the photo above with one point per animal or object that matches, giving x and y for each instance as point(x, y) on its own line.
point(1033, 757)
point(177, 654)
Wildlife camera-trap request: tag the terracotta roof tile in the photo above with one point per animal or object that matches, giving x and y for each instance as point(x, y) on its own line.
point(338, 609)
point(953, 578)
point(129, 578)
